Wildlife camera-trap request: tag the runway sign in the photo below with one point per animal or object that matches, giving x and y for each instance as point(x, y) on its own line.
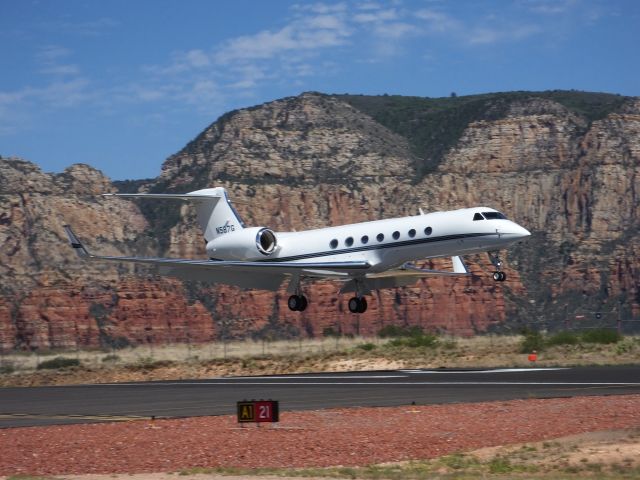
point(258, 411)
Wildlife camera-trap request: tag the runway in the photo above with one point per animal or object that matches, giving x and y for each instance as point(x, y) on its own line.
point(218, 396)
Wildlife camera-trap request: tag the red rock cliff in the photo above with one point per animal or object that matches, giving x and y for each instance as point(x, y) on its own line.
point(315, 160)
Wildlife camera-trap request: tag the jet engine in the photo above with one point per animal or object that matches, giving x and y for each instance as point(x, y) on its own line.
point(247, 244)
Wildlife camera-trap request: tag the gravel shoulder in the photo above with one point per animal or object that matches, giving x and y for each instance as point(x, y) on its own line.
point(348, 438)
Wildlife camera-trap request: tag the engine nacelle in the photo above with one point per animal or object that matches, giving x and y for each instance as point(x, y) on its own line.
point(246, 244)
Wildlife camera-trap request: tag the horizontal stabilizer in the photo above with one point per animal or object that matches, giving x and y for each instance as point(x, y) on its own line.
point(164, 196)
point(211, 212)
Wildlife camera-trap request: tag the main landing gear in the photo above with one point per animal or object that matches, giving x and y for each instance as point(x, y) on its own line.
point(357, 305)
point(297, 303)
point(498, 275)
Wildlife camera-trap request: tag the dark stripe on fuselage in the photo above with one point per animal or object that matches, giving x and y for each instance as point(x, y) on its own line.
point(363, 248)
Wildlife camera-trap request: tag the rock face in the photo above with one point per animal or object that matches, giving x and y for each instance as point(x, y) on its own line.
point(316, 160)
point(50, 299)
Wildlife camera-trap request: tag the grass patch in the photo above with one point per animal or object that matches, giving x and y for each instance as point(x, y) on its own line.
point(563, 338)
point(418, 341)
point(58, 363)
point(7, 367)
point(394, 331)
point(601, 335)
point(532, 341)
point(148, 363)
point(367, 347)
point(111, 358)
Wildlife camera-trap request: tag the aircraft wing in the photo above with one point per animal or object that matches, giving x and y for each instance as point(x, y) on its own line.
point(410, 270)
point(406, 275)
point(248, 274)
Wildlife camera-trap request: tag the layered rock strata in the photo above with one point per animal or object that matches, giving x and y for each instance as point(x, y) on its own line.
point(314, 160)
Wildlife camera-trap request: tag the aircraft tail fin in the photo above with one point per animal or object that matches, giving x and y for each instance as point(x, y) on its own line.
point(215, 212)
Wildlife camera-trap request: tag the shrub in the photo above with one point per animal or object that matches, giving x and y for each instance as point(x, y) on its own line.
point(532, 341)
point(500, 465)
point(148, 363)
point(7, 366)
point(58, 362)
point(393, 331)
point(601, 335)
point(367, 347)
point(415, 341)
point(625, 346)
point(563, 338)
point(330, 332)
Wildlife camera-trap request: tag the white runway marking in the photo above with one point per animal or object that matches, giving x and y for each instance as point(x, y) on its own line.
point(347, 384)
point(497, 370)
point(311, 377)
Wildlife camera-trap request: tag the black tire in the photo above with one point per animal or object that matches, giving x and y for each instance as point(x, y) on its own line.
point(354, 304)
point(363, 305)
point(303, 303)
point(503, 276)
point(497, 276)
point(294, 303)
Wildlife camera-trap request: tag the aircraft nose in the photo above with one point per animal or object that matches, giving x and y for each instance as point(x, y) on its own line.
point(522, 232)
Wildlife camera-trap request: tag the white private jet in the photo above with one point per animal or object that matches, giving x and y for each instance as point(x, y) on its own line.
point(364, 256)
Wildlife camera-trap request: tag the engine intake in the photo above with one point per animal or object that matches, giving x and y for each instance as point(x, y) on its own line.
point(245, 244)
point(266, 241)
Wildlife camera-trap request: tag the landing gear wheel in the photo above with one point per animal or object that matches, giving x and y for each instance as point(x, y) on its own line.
point(357, 305)
point(499, 276)
point(303, 303)
point(363, 305)
point(297, 303)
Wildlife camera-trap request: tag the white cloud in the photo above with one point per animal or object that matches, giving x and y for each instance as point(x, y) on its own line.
point(50, 60)
point(69, 69)
point(91, 28)
point(321, 8)
point(368, 6)
point(263, 44)
point(439, 22)
point(489, 29)
point(376, 16)
point(395, 30)
point(305, 34)
point(52, 53)
point(197, 58)
point(549, 7)
point(22, 103)
point(65, 93)
point(202, 93)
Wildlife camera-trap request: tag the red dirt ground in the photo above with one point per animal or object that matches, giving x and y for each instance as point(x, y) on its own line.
point(356, 436)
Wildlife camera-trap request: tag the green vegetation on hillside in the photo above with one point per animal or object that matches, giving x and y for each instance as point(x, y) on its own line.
point(434, 125)
point(534, 340)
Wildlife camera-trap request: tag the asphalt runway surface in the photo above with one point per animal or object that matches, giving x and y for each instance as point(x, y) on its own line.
point(32, 406)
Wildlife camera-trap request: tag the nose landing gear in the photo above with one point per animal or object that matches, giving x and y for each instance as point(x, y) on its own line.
point(498, 275)
point(357, 305)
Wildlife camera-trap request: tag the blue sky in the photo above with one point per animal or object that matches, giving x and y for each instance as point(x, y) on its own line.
point(122, 85)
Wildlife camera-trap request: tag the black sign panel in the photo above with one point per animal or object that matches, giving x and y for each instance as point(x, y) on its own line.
point(258, 411)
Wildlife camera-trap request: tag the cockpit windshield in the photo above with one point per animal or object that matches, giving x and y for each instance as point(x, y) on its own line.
point(493, 216)
point(488, 216)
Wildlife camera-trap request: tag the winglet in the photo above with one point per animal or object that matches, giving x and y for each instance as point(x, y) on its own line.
point(76, 243)
point(458, 265)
